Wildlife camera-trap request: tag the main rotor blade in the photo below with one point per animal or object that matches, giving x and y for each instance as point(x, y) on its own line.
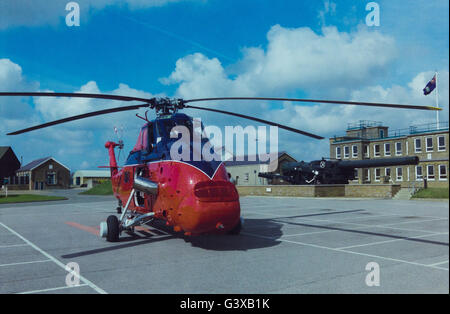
point(78, 95)
point(259, 120)
point(78, 117)
point(319, 101)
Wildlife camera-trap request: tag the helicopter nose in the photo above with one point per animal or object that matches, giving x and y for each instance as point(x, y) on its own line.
point(204, 217)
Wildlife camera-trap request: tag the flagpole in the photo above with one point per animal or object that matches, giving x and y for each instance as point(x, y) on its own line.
point(437, 101)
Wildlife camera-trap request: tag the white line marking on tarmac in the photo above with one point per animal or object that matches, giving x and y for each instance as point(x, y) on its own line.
point(57, 262)
point(12, 245)
point(52, 289)
point(389, 241)
point(23, 263)
point(440, 263)
point(387, 226)
point(345, 251)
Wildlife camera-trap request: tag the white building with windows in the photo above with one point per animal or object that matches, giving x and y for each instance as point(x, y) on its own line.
point(89, 178)
point(372, 140)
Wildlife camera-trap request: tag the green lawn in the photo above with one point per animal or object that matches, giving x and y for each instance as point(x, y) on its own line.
point(432, 193)
point(104, 188)
point(24, 198)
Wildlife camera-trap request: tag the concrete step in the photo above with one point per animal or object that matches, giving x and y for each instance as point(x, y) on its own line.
point(403, 194)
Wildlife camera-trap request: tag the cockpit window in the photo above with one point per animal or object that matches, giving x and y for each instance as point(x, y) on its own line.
point(192, 127)
point(142, 141)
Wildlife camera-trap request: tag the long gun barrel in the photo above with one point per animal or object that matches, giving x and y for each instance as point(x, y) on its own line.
point(382, 162)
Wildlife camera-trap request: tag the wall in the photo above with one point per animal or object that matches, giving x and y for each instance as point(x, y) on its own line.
point(252, 171)
point(335, 190)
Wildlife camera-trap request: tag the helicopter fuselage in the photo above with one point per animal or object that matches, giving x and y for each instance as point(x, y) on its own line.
point(194, 197)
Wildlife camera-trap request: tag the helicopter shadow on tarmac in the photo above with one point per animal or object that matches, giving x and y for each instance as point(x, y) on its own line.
point(241, 242)
point(228, 242)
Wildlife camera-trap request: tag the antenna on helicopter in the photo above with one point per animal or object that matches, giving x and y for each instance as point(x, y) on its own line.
point(119, 139)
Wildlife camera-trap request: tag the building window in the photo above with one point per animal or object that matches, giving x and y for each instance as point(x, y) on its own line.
point(418, 145)
point(377, 174)
point(419, 173)
point(346, 152)
point(50, 166)
point(387, 149)
point(51, 178)
point(366, 151)
point(429, 142)
point(376, 150)
point(387, 174)
point(355, 151)
point(366, 175)
point(355, 175)
point(430, 172)
point(246, 177)
point(399, 174)
point(441, 143)
point(338, 152)
point(443, 172)
point(398, 148)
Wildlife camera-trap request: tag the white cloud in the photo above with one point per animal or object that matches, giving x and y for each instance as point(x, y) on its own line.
point(329, 65)
point(72, 142)
point(295, 58)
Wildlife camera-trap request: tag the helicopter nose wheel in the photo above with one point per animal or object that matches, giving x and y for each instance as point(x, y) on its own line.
point(110, 229)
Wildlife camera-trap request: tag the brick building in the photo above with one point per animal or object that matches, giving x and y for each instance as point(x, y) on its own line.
point(372, 140)
point(42, 174)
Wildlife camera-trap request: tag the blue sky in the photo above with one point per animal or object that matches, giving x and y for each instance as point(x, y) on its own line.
point(196, 48)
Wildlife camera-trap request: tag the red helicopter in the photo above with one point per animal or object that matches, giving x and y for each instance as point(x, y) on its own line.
point(194, 197)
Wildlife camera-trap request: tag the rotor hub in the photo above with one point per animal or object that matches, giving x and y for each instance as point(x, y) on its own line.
point(166, 105)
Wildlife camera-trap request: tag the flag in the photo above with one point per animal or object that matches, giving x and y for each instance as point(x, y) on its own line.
point(430, 86)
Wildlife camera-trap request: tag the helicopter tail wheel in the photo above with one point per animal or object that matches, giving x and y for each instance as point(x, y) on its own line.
point(237, 229)
point(112, 230)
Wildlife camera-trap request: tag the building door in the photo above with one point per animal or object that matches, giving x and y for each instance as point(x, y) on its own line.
point(36, 185)
point(41, 185)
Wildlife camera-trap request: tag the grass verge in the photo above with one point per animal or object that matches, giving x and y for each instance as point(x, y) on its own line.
point(25, 198)
point(104, 188)
point(432, 193)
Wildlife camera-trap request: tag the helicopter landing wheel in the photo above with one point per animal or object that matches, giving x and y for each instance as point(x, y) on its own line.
point(112, 229)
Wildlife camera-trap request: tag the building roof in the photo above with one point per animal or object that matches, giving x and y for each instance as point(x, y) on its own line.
point(250, 160)
point(93, 173)
point(3, 150)
point(413, 130)
point(36, 163)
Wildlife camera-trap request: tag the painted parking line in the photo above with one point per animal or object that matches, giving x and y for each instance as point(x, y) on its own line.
point(395, 240)
point(12, 245)
point(440, 263)
point(344, 251)
point(24, 263)
point(52, 289)
point(388, 226)
point(53, 259)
